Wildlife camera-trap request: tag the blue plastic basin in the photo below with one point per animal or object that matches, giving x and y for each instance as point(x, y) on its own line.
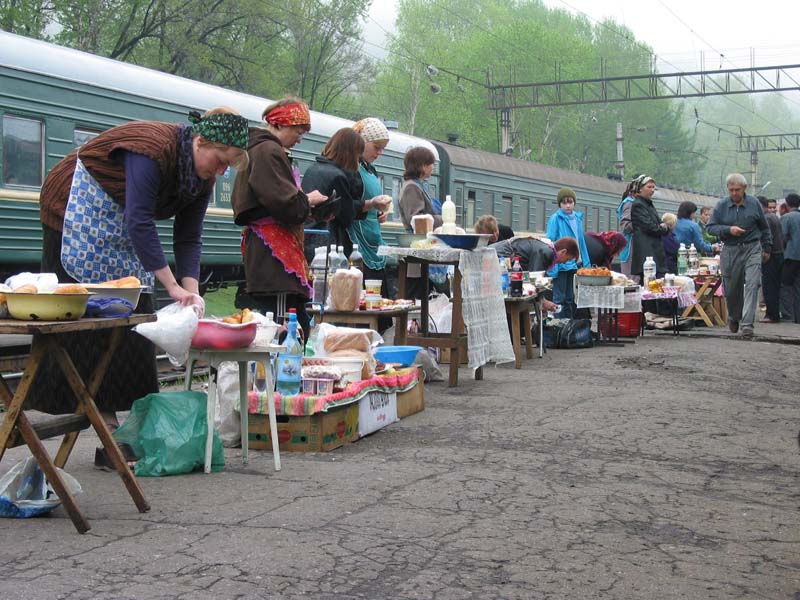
point(403, 355)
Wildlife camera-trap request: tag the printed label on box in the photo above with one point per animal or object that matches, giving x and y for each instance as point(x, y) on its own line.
point(375, 411)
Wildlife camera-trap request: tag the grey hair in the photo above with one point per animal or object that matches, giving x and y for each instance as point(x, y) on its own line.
point(670, 219)
point(735, 178)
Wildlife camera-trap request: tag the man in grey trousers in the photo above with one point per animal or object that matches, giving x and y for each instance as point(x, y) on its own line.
point(738, 220)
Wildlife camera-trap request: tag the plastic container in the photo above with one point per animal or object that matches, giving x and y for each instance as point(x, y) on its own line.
point(448, 216)
point(402, 355)
point(373, 302)
point(350, 367)
point(217, 335)
point(288, 367)
point(649, 270)
point(373, 286)
point(629, 325)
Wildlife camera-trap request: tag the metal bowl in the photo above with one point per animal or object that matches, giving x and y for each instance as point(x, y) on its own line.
point(593, 279)
point(46, 307)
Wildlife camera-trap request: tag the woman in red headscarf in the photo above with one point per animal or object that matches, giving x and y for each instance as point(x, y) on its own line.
point(604, 247)
point(268, 202)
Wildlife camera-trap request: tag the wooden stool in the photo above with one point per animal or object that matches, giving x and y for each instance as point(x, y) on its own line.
point(705, 302)
point(514, 308)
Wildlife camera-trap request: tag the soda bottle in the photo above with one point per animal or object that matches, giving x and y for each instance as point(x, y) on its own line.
point(505, 280)
point(516, 279)
point(289, 363)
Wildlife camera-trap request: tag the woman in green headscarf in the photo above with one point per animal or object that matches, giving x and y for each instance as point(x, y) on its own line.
point(367, 232)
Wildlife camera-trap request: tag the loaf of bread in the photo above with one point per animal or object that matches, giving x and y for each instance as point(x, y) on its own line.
point(71, 288)
point(28, 288)
point(346, 289)
point(125, 282)
point(347, 343)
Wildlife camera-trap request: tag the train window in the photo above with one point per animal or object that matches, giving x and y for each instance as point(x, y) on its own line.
point(81, 136)
point(506, 210)
point(397, 185)
point(470, 219)
point(541, 216)
point(524, 214)
point(22, 151)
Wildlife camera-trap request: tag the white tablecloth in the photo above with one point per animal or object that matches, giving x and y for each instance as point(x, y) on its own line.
point(600, 296)
point(482, 304)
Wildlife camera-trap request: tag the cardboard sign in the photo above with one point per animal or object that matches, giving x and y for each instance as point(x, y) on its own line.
point(375, 411)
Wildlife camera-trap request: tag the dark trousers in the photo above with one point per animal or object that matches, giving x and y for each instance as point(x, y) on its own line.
point(790, 292)
point(771, 285)
point(564, 294)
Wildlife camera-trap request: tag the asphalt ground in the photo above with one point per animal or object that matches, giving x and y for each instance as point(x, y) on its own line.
point(663, 469)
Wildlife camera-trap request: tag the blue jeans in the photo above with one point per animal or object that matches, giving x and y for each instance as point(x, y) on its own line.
point(564, 294)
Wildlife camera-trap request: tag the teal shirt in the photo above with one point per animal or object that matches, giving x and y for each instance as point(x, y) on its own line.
point(366, 232)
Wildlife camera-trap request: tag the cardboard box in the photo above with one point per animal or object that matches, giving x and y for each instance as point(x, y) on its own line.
point(311, 433)
point(376, 410)
point(413, 400)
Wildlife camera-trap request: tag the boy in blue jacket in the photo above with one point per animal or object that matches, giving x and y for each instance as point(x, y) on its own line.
point(566, 222)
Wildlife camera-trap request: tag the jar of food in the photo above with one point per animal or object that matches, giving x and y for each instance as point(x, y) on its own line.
point(373, 301)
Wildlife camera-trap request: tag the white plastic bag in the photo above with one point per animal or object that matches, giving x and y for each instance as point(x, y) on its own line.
point(173, 330)
point(44, 282)
point(363, 340)
point(24, 491)
point(226, 411)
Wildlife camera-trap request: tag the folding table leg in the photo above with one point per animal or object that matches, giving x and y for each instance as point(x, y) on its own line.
point(526, 323)
point(210, 405)
point(273, 421)
point(243, 409)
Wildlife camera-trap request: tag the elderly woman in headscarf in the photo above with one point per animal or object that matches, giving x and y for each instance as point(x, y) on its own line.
point(366, 232)
point(129, 177)
point(647, 228)
point(268, 202)
point(604, 247)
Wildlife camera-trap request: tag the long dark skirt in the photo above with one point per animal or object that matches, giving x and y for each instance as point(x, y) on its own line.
point(131, 374)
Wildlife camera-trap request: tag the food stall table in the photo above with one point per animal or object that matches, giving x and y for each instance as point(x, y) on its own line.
point(478, 324)
point(369, 318)
point(674, 298)
point(517, 307)
point(47, 341)
point(607, 300)
point(707, 286)
point(241, 356)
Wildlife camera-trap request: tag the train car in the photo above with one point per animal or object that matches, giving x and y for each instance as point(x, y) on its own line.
point(53, 99)
point(522, 194)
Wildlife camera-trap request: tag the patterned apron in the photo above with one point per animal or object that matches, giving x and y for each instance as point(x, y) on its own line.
point(95, 246)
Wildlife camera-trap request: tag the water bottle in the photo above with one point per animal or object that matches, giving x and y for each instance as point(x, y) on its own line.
point(356, 260)
point(318, 269)
point(682, 259)
point(692, 259)
point(342, 258)
point(516, 279)
point(448, 216)
point(289, 365)
point(649, 271)
point(505, 280)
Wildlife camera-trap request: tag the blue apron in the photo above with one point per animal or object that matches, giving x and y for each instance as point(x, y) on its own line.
point(95, 246)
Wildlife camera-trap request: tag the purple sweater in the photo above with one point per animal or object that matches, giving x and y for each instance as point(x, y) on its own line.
point(142, 181)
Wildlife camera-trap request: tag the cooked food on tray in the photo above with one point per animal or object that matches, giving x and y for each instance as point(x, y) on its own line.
point(595, 271)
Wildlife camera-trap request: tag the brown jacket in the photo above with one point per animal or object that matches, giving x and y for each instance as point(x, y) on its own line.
point(414, 201)
point(267, 189)
point(158, 141)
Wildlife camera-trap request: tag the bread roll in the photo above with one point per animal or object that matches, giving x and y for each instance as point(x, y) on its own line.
point(72, 288)
point(28, 288)
point(125, 282)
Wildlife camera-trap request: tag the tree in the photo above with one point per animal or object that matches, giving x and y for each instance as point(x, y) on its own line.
point(25, 17)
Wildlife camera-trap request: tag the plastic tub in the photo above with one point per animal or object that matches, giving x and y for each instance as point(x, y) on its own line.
point(349, 366)
point(217, 335)
point(629, 325)
point(402, 355)
point(373, 286)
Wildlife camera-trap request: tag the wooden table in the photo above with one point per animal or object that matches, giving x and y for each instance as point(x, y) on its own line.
point(706, 286)
point(241, 356)
point(456, 340)
point(47, 341)
point(369, 318)
point(516, 307)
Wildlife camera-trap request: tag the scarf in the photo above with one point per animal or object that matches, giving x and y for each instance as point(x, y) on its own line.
point(286, 245)
point(222, 128)
point(288, 115)
point(190, 186)
point(613, 242)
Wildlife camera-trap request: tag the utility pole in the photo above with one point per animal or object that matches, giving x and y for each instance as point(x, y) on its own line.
point(754, 170)
point(505, 130)
point(620, 164)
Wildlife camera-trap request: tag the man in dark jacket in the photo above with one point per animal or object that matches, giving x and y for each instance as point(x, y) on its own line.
point(771, 269)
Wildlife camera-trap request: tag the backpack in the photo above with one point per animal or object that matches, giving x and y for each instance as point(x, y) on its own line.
point(566, 334)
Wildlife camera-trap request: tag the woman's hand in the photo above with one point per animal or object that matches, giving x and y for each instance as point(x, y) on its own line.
point(382, 216)
point(381, 203)
point(316, 197)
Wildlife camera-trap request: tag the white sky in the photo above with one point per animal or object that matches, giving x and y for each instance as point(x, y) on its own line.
point(731, 27)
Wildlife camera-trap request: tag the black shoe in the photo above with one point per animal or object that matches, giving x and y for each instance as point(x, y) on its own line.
point(103, 462)
point(733, 326)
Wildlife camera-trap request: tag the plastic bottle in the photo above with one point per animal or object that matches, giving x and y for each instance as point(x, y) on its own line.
point(448, 216)
point(692, 258)
point(356, 260)
point(318, 269)
point(343, 264)
point(290, 360)
point(505, 279)
point(649, 269)
point(333, 260)
point(516, 279)
point(683, 261)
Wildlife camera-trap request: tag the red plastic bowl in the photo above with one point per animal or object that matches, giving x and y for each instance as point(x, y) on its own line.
point(217, 335)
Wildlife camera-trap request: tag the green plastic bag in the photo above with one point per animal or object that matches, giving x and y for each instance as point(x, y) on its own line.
point(167, 431)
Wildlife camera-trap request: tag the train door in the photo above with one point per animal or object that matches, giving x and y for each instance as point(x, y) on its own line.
point(506, 213)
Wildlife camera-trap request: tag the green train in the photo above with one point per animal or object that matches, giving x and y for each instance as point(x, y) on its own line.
point(53, 99)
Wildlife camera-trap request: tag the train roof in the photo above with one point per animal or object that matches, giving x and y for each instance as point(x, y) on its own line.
point(35, 56)
point(498, 163)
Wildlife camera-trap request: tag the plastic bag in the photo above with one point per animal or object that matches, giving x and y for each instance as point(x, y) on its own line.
point(172, 331)
point(332, 339)
point(226, 412)
point(344, 291)
point(167, 431)
point(44, 282)
point(24, 491)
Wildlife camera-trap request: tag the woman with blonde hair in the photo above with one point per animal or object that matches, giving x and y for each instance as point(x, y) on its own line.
point(671, 243)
